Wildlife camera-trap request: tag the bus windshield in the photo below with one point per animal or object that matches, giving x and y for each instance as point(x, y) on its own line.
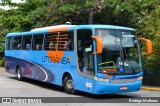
point(121, 53)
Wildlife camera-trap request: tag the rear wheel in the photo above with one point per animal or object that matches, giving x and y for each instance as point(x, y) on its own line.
point(19, 74)
point(68, 85)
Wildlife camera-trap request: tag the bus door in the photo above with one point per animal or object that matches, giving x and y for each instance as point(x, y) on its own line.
point(86, 59)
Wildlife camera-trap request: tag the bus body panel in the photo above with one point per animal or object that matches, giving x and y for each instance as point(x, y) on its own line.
point(50, 66)
point(108, 88)
point(32, 61)
point(36, 68)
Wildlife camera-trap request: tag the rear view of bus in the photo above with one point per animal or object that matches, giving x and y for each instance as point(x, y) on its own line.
point(98, 59)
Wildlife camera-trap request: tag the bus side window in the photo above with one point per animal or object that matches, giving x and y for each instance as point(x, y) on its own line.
point(51, 46)
point(27, 42)
point(66, 41)
point(17, 43)
point(37, 42)
point(70, 42)
point(9, 43)
point(62, 41)
point(51, 41)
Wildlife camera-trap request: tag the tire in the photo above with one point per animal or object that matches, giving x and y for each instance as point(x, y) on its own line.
point(19, 74)
point(68, 85)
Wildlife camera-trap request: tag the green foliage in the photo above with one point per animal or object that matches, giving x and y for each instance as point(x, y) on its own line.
point(151, 29)
point(2, 51)
point(143, 15)
point(118, 12)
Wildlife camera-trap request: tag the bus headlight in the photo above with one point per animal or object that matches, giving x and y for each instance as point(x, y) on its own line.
point(101, 79)
point(140, 78)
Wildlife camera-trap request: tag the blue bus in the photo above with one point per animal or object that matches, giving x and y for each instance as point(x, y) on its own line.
point(98, 59)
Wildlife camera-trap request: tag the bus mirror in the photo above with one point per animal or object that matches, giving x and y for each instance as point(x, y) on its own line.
point(149, 45)
point(98, 44)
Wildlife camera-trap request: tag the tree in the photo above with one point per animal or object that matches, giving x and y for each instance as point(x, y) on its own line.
point(150, 28)
point(143, 15)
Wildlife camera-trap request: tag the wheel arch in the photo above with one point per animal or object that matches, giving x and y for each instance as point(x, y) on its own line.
point(65, 74)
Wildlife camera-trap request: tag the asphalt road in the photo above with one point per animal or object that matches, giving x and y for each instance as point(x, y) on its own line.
point(11, 87)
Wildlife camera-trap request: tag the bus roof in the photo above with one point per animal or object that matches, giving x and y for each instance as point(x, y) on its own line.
point(104, 26)
point(65, 28)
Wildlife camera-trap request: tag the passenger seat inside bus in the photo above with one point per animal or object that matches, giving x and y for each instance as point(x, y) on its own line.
point(28, 46)
point(38, 47)
point(18, 46)
point(69, 45)
point(51, 46)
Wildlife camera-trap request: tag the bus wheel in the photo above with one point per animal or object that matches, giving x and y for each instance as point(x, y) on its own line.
point(19, 74)
point(68, 85)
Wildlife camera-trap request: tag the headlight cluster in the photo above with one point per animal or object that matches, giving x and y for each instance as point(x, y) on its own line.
point(140, 78)
point(107, 80)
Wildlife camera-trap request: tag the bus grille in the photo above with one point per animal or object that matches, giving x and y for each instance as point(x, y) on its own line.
point(123, 81)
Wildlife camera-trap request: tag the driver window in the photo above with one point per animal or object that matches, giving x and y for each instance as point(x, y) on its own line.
point(85, 51)
point(88, 58)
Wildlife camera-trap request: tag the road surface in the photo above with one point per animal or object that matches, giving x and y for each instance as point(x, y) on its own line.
point(11, 87)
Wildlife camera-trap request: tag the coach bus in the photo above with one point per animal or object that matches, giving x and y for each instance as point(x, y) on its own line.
point(98, 59)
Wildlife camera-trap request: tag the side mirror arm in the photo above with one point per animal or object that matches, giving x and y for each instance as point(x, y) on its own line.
point(149, 44)
point(98, 44)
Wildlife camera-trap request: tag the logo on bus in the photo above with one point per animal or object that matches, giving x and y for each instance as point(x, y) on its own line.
point(121, 69)
point(56, 59)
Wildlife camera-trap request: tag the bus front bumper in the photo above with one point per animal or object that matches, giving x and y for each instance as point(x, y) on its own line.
point(110, 88)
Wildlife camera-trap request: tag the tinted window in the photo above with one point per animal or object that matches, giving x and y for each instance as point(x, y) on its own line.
point(37, 42)
point(27, 42)
point(85, 51)
point(17, 43)
point(59, 41)
point(51, 41)
point(9, 43)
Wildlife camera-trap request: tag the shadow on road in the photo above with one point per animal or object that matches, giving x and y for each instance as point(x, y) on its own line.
point(41, 84)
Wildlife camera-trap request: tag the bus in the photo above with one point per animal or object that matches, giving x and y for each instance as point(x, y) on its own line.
point(97, 59)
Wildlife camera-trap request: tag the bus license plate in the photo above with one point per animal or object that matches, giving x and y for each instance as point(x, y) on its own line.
point(123, 87)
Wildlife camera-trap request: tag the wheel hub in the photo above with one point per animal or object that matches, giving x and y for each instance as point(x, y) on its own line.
point(69, 84)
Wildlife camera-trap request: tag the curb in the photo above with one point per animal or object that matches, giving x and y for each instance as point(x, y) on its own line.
point(150, 88)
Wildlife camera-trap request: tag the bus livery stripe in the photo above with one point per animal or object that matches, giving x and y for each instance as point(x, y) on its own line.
point(58, 29)
point(29, 69)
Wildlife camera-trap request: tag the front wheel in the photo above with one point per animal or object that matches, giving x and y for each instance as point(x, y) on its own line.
point(68, 85)
point(19, 74)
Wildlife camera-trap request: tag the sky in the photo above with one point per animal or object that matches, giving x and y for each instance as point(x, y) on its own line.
point(18, 1)
point(14, 1)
